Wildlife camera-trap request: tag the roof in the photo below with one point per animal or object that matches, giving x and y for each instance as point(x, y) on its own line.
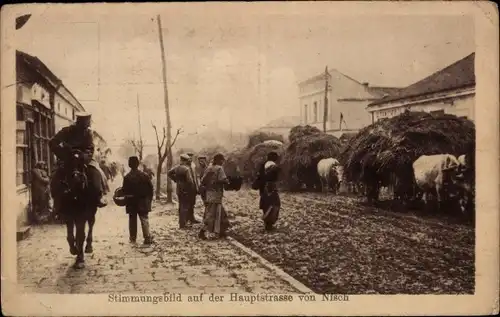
point(37, 64)
point(375, 90)
point(457, 75)
point(384, 91)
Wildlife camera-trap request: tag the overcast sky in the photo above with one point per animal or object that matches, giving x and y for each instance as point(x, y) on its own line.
point(238, 72)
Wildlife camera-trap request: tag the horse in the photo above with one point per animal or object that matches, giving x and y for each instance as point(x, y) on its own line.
point(79, 204)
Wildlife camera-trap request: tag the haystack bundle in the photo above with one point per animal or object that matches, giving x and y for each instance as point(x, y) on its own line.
point(307, 147)
point(390, 146)
point(258, 137)
point(251, 159)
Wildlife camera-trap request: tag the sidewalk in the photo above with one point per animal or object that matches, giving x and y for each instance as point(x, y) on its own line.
point(177, 262)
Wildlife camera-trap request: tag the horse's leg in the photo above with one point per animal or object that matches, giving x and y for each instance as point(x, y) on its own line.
point(91, 221)
point(80, 239)
point(70, 237)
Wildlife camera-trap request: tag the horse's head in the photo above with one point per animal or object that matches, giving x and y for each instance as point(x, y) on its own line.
point(76, 178)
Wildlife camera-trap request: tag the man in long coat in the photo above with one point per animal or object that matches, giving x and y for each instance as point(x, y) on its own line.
point(185, 189)
point(138, 189)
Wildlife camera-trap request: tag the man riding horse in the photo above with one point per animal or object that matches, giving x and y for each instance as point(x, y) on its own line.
point(78, 184)
point(78, 137)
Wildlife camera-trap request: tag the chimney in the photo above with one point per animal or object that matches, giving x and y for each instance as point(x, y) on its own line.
point(366, 85)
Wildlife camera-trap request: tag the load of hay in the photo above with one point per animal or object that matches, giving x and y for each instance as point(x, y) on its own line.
point(258, 137)
point(389, 147)
point(308, 145)
point(251, 159)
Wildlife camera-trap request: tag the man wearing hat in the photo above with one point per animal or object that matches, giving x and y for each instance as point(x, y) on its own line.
point(185, 189)
point(138, 187)
point(202, 166)
point(192, 165)
point(78, 136)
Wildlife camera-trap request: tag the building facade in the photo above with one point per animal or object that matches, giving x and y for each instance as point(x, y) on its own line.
point(347, 101)
point(450, 90)
point(37, 91)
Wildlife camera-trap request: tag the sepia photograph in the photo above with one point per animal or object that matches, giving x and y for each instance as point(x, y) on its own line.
point(264, 155)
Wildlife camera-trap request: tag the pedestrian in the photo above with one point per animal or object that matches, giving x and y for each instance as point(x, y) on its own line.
point(266, 183)
point(138, 189)
point(192, 171)
point(40, 192)
point(202, 166)
point(215, 218)
point(185, 189)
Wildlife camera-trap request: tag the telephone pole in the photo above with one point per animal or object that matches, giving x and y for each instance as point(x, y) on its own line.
point(325, 112)
point(140, 128)
point(167, 111)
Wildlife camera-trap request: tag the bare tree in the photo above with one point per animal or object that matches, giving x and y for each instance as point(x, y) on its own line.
point(164, 151)
point(138, 147)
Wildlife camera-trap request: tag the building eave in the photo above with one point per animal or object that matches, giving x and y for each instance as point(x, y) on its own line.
point(419, 96)
point(428, 98)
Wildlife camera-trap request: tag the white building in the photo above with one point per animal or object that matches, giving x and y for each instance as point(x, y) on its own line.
point(450, 90)
point(38, 118)
point(347, 101)
point(65, 108)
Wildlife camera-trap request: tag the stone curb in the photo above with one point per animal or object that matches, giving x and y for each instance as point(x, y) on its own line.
point(271, 267)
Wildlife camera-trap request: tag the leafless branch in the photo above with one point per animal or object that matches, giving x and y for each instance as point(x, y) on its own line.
point(179, 131)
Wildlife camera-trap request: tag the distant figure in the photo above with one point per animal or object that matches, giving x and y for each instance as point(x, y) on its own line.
point(148, 171)
point(138, 188)
point(186, 188)
point(41, 194)
point(212, 185)
point(192, 165)
point(202, 166)
point(270, 202)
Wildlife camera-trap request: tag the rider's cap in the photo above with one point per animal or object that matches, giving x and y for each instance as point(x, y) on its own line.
point(83, 116)
point(202, 157)
point(190, 154)
point(185, 157)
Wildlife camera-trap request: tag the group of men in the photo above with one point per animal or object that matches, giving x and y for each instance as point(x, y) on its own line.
point(204, 179)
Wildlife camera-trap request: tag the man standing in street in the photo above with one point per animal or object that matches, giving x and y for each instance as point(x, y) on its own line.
point(200, 171)
point(185, 189)
point(138, 189)
point(192, 171)
point(40, 192)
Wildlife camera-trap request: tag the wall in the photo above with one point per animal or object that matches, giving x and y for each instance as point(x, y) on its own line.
point(341, 88)
point(64, 112)
point(459, 106)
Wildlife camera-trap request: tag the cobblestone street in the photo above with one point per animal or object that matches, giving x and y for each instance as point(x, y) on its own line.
point(177, 262)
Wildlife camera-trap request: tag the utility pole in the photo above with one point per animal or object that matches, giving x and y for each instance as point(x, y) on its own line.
point(167, 111)
point(325, 112)
point(140, 129)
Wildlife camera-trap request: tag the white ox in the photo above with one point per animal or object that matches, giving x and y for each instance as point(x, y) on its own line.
point(330, 174)
point(434, 172)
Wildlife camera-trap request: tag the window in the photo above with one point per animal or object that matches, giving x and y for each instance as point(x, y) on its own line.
point(305, 113)
point(59, 106)
point(65, 110)
point(22, 167)
point(73, 114)
point(316, 119)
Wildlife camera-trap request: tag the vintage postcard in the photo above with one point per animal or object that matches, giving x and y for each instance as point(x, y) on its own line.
point(230, 159)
